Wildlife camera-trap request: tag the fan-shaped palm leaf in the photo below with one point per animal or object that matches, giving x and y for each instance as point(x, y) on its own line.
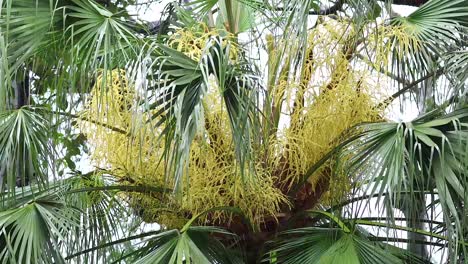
point(426, 156)
point(329, 245)
point(33, 233)
point(457, 62)
point(433, 29)
point(194, 245)
point(24, 147)
point(99, 217)
point(26, 26)
point(98, 39)
point(177, 102)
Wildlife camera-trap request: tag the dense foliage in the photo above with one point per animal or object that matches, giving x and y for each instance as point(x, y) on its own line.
point(233, 132)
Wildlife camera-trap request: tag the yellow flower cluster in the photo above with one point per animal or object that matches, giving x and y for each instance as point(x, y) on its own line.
point(321, 100)
point(193, 41)
point(128, 147)
point(386, 42)
point(215, 178)
point(330, 97)
point(122, 144)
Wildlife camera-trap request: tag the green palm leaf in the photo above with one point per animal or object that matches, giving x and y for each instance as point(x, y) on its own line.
point(239, 87)
point(195, 245)
point(100, 216)
point(178, 102)
point(329, 245)
point(457, 62)
point(27, 26)
point(406, 160)
point(98, 39)
point(24, 147)
point(435, 28)
point(33, 233)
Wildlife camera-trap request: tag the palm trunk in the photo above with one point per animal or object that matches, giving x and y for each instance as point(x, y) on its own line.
point(410, 2)
point(21, 89)
point(415, 214)
point(414, 208)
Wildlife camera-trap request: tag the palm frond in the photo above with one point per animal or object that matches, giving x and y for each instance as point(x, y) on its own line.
point(81, 214)
point(98, 39)
point(194, 245)
point(178, 102)
point(406, 160)
point(328, 245)
point(33, 233)
point(433, 29)
point(100, 218)
point(24, 147)
point(435, 26)
point(457, 62)
point(240, 88)
point(5, 78)
point(27, 26)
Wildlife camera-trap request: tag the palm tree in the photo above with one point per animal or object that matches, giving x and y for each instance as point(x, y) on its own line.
point(233, 132)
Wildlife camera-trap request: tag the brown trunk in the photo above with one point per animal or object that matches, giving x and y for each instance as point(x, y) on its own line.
point(21, 89)
point(410, 2)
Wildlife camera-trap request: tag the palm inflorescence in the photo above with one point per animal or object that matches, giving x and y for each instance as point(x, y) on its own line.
point(233, 132)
